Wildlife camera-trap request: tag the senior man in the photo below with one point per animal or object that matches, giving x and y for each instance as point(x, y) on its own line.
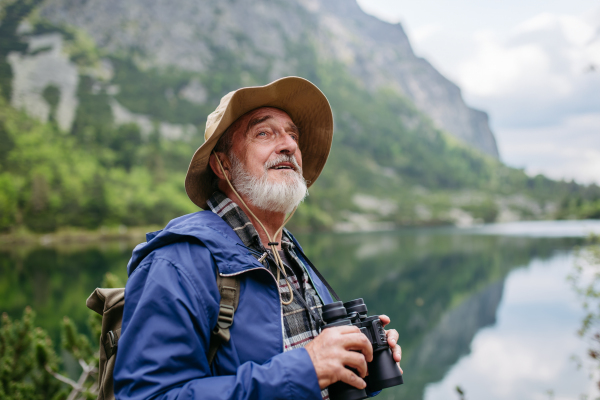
point(264, 146)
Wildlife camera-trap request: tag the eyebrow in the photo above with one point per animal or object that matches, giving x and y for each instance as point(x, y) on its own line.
point(256, 121)
point(293, 128)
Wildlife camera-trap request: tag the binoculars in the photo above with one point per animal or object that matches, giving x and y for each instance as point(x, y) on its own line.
point(383, 370)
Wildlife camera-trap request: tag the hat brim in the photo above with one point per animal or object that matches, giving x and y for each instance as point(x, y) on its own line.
point(306, 105)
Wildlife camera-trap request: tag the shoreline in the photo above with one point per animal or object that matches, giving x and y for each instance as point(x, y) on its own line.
point(137, 234)
point(77, 236)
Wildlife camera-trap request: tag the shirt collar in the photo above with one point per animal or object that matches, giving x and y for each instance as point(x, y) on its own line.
point(237, 219)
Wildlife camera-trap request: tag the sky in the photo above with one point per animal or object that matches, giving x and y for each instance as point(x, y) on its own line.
point(532, 65)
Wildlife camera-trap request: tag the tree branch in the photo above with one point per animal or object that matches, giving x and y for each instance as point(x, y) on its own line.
point(87, 370)
point(60, 377)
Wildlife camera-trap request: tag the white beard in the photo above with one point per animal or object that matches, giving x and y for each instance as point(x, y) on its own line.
point(271, 196)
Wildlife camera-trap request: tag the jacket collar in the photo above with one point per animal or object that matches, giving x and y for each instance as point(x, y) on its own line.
point(216, 235)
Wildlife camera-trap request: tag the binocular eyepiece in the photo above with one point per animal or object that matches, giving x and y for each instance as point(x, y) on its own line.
point(383, 370)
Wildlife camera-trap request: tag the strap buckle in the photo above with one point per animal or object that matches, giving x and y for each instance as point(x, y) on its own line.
point(225, 319)
point(224, 322)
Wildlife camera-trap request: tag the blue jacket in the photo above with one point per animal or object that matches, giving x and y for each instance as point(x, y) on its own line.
point(171, 306)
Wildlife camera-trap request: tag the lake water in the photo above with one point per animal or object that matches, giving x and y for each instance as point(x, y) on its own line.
point(487, 309)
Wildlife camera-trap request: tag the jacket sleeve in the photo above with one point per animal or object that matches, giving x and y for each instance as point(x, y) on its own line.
point(164, 341)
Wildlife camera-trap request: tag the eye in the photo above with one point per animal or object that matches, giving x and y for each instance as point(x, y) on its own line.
point(261, 133)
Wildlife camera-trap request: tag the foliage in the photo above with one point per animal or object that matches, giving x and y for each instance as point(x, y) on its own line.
point(49, 179)
point(29, 365)
point(30, 369)
point(585, 280)
point(486, 210)
point(581, 204)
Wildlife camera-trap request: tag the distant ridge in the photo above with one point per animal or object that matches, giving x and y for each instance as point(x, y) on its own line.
point(174, 32)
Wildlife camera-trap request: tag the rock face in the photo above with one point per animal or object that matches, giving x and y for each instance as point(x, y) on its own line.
point(188, 34)
point(380, 54)
point(49, 67)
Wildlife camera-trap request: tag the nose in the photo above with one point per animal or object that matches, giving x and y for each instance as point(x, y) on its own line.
point(286, 144)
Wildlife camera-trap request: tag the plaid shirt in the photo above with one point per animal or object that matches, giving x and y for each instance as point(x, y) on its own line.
point(298, 327)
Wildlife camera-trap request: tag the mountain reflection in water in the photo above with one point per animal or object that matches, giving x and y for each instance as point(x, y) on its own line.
point(439, 286)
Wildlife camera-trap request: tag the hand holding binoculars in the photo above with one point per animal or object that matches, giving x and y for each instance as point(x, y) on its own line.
point(383, 370)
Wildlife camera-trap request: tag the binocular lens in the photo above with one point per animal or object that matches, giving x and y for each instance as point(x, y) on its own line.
point(383, 371)
point(333, 311)
point(357, 305)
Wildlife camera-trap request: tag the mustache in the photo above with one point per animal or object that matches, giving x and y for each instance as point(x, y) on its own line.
point(284, 158)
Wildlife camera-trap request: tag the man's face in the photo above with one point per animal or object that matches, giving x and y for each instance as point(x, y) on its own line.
point(262, 137)
point(266, 164)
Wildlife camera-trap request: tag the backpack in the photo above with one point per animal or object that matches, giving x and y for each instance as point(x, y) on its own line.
point(109, 304)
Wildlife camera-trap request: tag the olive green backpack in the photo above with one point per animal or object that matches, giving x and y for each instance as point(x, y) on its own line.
point(109, 304)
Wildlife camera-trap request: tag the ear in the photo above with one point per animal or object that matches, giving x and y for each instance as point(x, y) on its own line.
point(216, 168)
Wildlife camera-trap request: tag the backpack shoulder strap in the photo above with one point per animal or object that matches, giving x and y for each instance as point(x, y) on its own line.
point(229, 288)
point(109, 304)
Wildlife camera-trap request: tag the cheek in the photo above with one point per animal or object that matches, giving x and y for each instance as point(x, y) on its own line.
point(257, 157)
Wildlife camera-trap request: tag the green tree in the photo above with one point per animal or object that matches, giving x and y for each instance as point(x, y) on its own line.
point(30, 368)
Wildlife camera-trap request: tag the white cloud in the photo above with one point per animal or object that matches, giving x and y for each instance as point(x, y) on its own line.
point(498, 70)
point(544, 58)
point(567, 150)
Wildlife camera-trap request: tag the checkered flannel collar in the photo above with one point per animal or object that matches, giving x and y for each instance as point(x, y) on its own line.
point(237, 219)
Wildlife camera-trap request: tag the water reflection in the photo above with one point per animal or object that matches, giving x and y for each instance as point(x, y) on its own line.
point(439, 286)
point(528, 353)
point(439, 289)
point(56, 281)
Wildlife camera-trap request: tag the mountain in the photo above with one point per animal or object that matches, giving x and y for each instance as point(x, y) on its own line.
point(103, 104)
point(190, 35)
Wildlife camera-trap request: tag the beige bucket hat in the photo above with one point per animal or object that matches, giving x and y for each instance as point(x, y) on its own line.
point(306, 105)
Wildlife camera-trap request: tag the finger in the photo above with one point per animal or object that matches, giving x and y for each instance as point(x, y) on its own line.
point(401, 372)
point(354, 339)
point(397, 353)
point(384, 319)
point(392, 337)
point(358, 342)
point(352, 379)
point(346, 329)
point(357, 361)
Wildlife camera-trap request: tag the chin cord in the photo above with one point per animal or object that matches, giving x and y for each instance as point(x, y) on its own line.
point(272, 243)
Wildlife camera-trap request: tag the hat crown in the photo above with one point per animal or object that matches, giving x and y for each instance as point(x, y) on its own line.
point(213, 119)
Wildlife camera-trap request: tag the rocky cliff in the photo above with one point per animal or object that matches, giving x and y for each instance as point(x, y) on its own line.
point(268, 37)
point(129, 84)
